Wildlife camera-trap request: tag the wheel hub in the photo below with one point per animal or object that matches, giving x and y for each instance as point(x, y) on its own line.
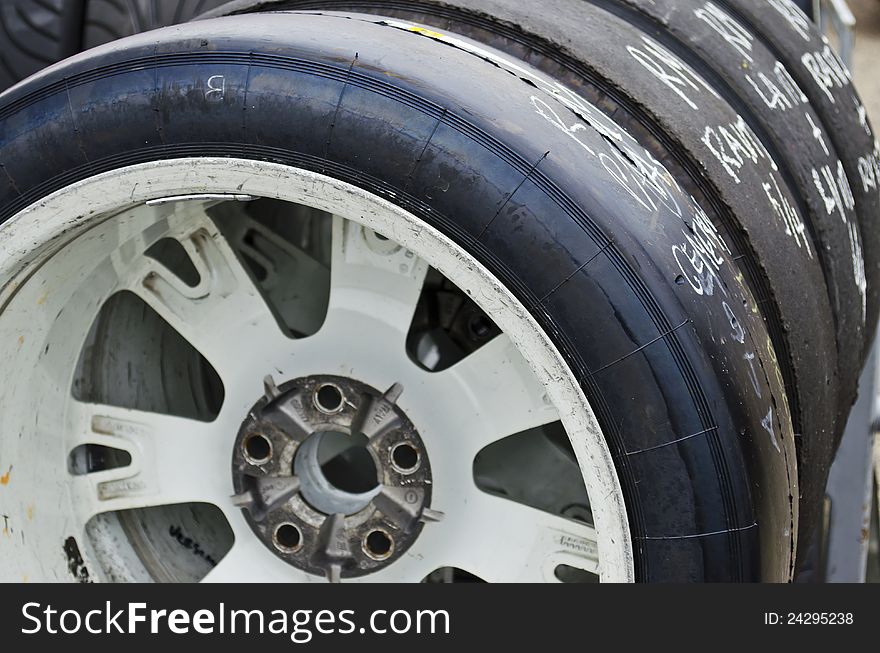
point(332, 476)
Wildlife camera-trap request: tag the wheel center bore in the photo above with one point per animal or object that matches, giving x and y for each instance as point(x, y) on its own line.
point(339, 483)
point(332, 476)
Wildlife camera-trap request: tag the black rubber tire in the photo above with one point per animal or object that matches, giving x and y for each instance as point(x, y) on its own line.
point(808, 296)
point(108, 20)
point(805, 6)
point(36, 33)
point(794, 134)
point(672, 353)
point(819, 73)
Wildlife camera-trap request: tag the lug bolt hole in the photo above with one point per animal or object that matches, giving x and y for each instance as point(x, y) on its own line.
point(405, 458)
point(329, 399)
point(257, 449)
point(378, 545)
point(287, 538)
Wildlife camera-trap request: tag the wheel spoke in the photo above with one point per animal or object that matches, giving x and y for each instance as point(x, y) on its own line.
point(224, 308)
point(374, 289)
point(498, 395)
point(293, 282)
point(372, 276)
point(500, 540)
point(173, 459)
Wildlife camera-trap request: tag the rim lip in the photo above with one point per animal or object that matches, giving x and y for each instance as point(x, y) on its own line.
point(32, 236)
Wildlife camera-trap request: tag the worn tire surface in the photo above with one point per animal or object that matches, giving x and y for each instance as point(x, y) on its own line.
point(827, 84)
point(108, 20)
point(36, 33)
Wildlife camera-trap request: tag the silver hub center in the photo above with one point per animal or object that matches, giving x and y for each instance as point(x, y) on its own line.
point(317, 489)
point(332, 476)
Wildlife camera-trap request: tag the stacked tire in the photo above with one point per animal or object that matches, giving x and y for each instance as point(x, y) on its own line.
point(683, 193)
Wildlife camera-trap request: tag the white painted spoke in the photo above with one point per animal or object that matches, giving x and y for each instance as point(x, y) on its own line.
point(224, 310)
point(296, 284)
point(173, 460)
point(501, 540)
point(374, 289)
point(497, 395)
point(372, 277)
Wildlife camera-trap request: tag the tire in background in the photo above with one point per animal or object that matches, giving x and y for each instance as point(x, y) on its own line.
point(823, 78)
point(108, 20)
point(805, 6)
point(36, 33)
point(762, 90)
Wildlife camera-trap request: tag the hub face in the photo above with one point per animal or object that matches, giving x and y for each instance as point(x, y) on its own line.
point(332, 476)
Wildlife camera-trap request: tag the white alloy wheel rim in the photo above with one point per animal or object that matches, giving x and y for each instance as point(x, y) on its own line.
point(63, 256)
